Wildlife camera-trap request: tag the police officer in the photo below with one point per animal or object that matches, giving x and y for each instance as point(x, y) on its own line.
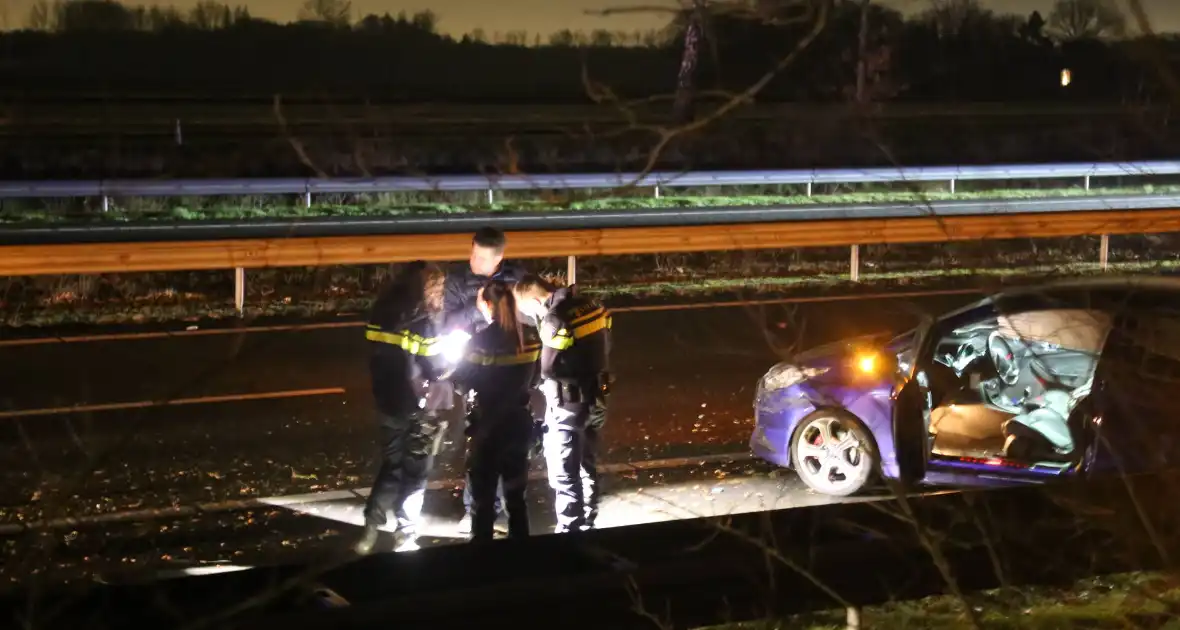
point(404, 363)
point(500, 367)
point(575, 337)
point(461, 313)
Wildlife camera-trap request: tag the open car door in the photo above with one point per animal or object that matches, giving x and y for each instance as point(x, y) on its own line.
point(910, 431)
point(910, 410)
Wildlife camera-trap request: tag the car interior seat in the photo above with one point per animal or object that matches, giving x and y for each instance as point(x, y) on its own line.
point(1044, 430)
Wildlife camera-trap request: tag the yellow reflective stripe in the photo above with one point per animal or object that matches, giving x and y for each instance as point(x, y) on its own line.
point(529, 355)
point(603, 322)
point(560, 340)
point(519, 358)
point(406, 340)
point(584, 326)
point(587, 317)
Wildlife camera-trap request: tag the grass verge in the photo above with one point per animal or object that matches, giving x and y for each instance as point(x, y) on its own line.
point(207, 310)
point(167, 210)
point(1135, 600)
point(891, 279)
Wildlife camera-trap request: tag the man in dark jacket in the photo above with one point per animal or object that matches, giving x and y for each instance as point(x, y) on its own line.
point(575, 336)
point(405, 362)
point(464, 282)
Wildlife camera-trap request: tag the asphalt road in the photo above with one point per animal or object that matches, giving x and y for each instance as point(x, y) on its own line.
point(685, 385)
point(322, 530)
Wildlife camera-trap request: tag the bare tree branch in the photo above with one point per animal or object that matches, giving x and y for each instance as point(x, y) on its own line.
point(294, 142)
point(627, 10)
point(744, 97)
point(1157, 57)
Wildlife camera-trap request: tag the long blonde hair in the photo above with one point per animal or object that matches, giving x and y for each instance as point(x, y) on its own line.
point(433, 284)
point(498, 296)
point(412, 289)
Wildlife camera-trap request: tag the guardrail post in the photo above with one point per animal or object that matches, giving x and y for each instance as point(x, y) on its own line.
point(307, 199)
point(854, 264)
point(952, 186)
point(852, 618)
point(808, 189)
point(106, 203)
point(1103, 251)
point(491, 196)
point(657, 192)
point(1087, 182)
point(571, 270)
point(240, 290)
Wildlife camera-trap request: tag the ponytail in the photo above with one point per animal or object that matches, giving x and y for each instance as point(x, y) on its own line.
point(534, 287)
point(499, 297)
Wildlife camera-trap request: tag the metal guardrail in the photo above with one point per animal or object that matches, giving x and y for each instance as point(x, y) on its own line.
point(311, 186)
point(240, 254)
point(239, 245)
point(805, 215)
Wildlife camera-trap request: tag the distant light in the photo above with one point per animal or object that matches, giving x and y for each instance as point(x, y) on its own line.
point(1066, 77)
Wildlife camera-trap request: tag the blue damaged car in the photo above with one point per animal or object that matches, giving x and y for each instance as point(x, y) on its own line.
point(1025, 386)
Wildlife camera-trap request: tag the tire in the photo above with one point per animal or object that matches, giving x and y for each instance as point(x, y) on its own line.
point(844, 469)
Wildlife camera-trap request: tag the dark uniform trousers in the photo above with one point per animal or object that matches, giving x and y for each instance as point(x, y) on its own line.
point(409, 443)
point(462, 286)
point(499, 455)
point(571, 458)
point(590, 490)
point(499, 489)
point(463, 431)
point(575, 334)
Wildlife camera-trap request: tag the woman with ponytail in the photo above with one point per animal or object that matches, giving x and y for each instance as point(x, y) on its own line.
point(500, 369)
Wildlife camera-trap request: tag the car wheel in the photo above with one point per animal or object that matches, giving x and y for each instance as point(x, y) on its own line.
point(833, 453)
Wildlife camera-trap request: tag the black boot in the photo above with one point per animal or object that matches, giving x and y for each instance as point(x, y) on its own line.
point(368, 540)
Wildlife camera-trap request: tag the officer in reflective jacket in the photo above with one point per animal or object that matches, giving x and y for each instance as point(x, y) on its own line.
point(575, 338)
point(404, 362)
point(501, 368)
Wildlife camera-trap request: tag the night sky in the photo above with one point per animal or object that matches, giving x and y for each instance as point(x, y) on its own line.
point(546, 16)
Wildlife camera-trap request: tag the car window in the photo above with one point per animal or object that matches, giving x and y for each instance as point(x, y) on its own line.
point(905, 347)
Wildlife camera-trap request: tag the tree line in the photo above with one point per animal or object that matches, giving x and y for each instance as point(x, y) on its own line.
point(952, 50)
point(1068, 20)
point(63, 16)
